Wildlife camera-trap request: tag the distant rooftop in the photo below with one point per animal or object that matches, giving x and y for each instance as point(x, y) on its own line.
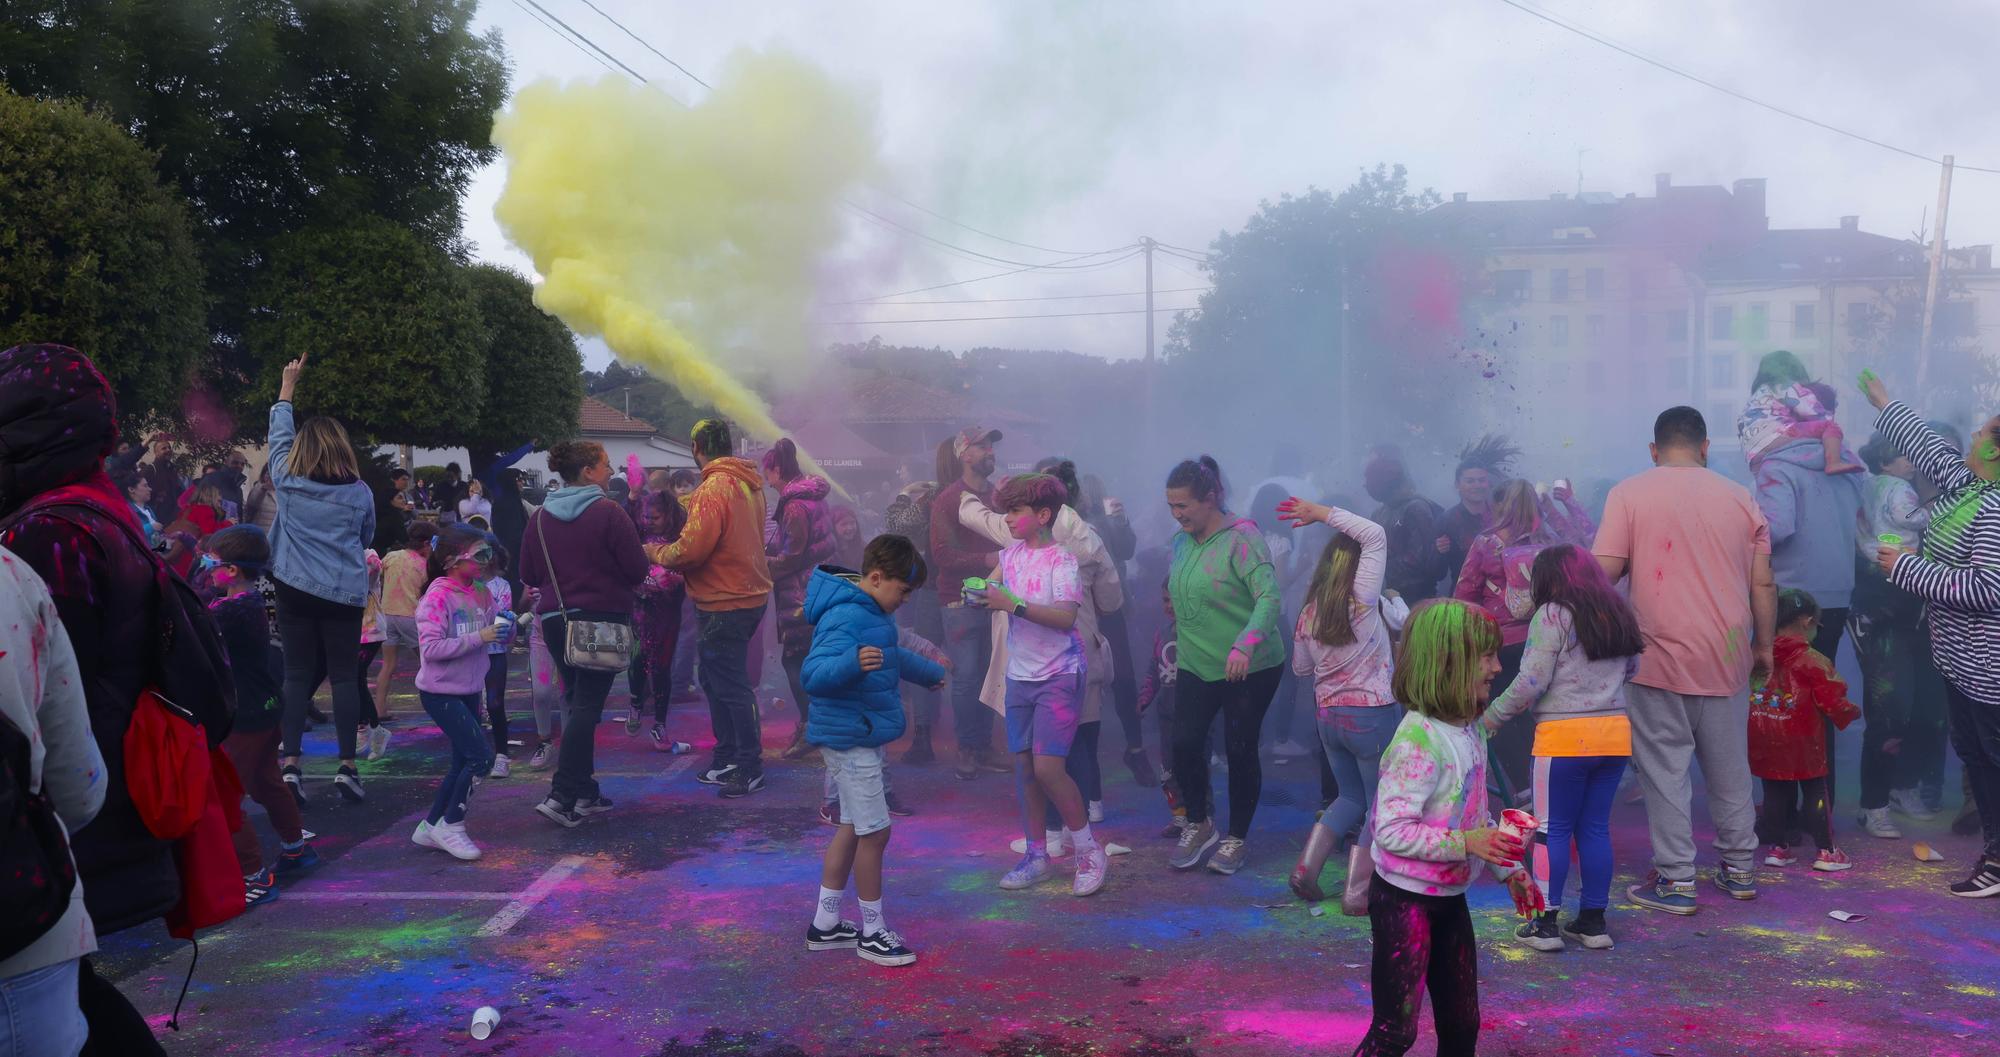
point(597, 418)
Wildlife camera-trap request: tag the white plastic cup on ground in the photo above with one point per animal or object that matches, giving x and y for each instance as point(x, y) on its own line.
point(484, 1020)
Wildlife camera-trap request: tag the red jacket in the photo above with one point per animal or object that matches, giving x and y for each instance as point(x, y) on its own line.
point(957, 552)
point(1787, 736)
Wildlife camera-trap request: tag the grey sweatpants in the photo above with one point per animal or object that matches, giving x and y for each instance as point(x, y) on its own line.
point(1670, 732)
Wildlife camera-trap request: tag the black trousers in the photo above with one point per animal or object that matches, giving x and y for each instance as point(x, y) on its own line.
point(116, 1029)
point(1794, 807)
point(320, 638)
point(1421, 942)
point(1242, 706)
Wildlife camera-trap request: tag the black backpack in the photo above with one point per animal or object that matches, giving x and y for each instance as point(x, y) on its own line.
point(39, 875)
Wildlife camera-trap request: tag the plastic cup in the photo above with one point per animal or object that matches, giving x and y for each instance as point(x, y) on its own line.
point(484, 1020)
point(1519, 823)
point(1890, 539)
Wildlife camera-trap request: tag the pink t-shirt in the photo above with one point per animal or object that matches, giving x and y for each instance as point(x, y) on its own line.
point(1044, 576)
point(1689, 537)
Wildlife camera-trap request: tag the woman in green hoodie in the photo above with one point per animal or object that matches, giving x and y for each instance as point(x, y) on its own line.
point(1231, 656)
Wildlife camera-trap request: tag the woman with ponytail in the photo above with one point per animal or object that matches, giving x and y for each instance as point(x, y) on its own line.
point(1231, 656)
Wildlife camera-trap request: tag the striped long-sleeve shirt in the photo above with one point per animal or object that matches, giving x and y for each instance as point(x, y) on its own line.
point(1958, 572)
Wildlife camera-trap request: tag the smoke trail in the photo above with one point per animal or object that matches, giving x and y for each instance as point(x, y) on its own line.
point(688, 238)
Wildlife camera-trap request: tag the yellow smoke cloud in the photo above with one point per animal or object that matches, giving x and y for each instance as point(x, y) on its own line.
point(678, 233)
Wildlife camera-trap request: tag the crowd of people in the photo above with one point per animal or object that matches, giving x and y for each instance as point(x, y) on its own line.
point(1511, 652)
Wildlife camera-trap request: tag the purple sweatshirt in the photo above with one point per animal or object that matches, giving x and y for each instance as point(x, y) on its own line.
point(449, 621)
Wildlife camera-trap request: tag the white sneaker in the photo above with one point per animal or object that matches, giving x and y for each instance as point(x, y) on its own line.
point(1909, 804)
point(1090, 870)
point(1876, 821)
point(422, 838)
point(501, 766)
point(451, 837)
point(1055, 840)
point(1096, 810)
point(378, 742)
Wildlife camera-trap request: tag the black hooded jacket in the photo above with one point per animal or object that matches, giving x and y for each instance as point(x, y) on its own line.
point(58, 421)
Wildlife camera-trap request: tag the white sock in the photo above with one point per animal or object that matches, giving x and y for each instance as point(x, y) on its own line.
point(1082, 840)
point(871, 917)
point(827, 915)
point(1052, 838)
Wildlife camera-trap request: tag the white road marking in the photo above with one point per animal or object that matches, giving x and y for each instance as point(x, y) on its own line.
point(551, 879)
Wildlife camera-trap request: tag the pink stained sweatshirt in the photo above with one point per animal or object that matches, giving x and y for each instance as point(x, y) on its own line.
point(1431, 790)
point(450, 618)
point(1357, 674)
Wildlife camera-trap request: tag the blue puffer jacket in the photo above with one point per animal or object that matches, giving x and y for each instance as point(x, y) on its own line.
point(1812, 515)
point(852, 708)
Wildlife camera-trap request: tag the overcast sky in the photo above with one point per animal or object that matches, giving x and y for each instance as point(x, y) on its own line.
point(1083, 127)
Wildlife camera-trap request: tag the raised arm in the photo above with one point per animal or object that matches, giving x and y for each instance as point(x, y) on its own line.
point(1368, 575)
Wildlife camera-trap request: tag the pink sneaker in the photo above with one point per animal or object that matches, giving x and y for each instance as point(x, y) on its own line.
point(1832, 861)
point(1779, 855)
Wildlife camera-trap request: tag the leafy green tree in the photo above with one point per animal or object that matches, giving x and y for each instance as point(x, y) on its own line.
point(534, 373)
point(273, 116)
point(96, 253)
point(651, 400)
point(1269, 342)
point(391, 325)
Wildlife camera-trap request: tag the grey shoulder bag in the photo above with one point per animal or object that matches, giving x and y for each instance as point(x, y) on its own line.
point(592, 645)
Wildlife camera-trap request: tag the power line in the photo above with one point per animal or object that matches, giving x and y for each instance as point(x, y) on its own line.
point(1046, 297)
point(1031, 315)
point(642, 43)
point(1724, 89)
point(1131, 252)
point(969, 227)
point(864, 211)
point(592, 56)
point(1203, 254)
point(586, 40)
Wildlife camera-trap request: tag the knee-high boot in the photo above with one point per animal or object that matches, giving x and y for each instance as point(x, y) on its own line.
point(1360, 871)
point(1305, 876)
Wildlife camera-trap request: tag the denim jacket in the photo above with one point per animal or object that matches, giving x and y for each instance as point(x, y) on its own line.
point(321, 535)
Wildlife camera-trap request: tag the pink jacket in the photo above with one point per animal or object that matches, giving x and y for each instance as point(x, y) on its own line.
point(450, 618)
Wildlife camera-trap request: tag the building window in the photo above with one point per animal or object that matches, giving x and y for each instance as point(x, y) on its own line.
point(1722, 323)
point(1805, 320)
point(1511, 284)
point(1860, 319)
point(1638, 324)
point(1638, 285)
point(1559, 331)
point(1558, 284)
point(1955, 319)
point(1722, 371)
point(1677, 373)
point(1593, 284)
point(1677, 324)
point(1593, 331)
point(1758, 323)
point(1593, 377)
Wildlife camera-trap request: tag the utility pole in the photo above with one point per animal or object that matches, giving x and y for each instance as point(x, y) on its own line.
point(1151, 367)
point(1346, 376)
point(1937, 269)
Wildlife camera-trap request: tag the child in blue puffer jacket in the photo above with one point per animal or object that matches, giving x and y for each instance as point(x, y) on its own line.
point(853, 675)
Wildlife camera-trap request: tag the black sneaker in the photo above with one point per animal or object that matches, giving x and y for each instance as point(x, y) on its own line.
point(715, 773)
point(596, 805)
point(300, 858)
point(1985, 881)
point(739, 784)
point(294, 781)
point(1590, 934)
point(565, 817)
point(841, 937)
point(897, 807)
point(1540, 933)
point(886, 948)
point(348, 781)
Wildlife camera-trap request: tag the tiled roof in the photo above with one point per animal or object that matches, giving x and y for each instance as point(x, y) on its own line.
point(597, 418)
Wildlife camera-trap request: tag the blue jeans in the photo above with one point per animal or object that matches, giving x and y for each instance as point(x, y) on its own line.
point(968, 640)
point(723, 639)
point(39, 1015)
point(471, 753)
point(1354, 738)
point(1581, 790)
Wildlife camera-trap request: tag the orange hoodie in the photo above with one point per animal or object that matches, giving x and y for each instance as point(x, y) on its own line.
point(721, 550)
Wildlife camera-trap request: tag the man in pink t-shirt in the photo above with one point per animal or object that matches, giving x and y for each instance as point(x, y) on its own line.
point(1699, 556)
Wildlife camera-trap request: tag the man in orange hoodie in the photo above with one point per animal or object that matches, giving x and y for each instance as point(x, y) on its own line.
point(721, 553)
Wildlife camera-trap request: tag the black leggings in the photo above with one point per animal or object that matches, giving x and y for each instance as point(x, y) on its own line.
point(316, 633)
point(1421, 940)
point(496, 700)
point(1791, 806)
point(369, 651)
point(116, 1028)
point(1242, 706)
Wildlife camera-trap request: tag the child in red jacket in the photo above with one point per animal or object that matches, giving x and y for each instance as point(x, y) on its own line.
point(1788, 737)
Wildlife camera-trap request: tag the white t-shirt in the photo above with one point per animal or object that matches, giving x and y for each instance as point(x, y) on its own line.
point(1043, 576)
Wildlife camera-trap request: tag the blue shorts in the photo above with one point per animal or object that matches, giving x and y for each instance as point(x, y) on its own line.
point(1042, 717)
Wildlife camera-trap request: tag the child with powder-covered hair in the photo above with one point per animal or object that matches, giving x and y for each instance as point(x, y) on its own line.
point(853, 671)
point(1786, 404)
point(1431, 823)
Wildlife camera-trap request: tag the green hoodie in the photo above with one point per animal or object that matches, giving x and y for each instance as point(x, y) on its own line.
point(1226, 597)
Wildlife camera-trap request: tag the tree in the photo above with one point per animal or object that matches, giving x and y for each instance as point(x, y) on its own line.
point(651, 400)
point(273, 116)
point(1884, 332)
point(534, 373)
point(1268, 342)
point(396, 345)
point(96, 253)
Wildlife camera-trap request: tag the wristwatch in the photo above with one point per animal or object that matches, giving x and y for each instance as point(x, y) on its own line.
point(1020, 609)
